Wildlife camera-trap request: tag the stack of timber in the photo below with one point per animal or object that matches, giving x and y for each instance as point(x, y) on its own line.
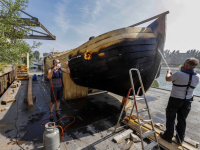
point(22, 72)
point(104, 61)
point(133, 123)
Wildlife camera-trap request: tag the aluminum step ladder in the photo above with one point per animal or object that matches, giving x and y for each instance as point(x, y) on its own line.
point(136, 98)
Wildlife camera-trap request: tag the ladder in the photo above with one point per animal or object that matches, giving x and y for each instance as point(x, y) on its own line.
point(140, 123)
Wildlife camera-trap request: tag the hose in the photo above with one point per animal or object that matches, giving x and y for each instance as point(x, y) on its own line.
point(74, 57)
point(179, 138)
point(62, 130)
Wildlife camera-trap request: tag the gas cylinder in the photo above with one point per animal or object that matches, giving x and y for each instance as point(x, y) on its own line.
point(51, 137)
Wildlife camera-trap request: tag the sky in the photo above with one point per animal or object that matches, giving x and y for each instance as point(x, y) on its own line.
point(74, 21)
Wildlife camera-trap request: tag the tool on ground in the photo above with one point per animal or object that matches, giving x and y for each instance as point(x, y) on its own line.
point(51, 140)
point(179, 137)
point(140, 123)
point(62, 130)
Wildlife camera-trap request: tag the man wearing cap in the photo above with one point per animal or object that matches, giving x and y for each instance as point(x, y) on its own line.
point(55, 76)
point(184, 83)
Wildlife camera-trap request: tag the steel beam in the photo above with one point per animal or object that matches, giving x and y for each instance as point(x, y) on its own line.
point(39, 37)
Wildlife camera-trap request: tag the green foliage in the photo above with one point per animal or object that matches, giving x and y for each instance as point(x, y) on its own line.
point(12, 31)
point(36, 54)
point(35, 45)
point(194, 53)
point(174, 53)
point(11, 27)
point(1, 67)
point(30, 49)
point(175, 58)
point(17, 53)
point(45, 54)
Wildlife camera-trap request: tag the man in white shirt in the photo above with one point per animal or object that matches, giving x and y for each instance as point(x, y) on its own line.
point(184, 83)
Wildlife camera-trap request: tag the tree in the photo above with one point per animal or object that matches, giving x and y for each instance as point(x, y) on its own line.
point(11, 28)
point(36, 54)
point(45, 54)
point(30, 51)
point(12, 31)
point(167, 53)
point(194, 53)
point(16, 54)
point(36, 45)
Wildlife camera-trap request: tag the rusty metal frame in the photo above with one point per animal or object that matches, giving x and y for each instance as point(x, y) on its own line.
point(34, 22)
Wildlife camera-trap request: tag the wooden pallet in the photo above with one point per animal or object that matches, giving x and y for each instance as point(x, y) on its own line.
point(22, 72)
point(173, 146)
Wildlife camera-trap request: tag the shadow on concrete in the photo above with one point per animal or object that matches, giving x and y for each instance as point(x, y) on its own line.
point(101, 111)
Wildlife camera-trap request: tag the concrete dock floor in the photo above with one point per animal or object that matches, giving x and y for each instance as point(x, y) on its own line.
point(95, 116)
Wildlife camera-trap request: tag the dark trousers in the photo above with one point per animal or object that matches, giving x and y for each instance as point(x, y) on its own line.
point(58, 93)
point(181, 107)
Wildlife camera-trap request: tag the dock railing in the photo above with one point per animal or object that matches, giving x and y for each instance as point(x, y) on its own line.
point(6, 79)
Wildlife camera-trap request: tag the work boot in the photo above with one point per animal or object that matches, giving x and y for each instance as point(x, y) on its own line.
point(51, 115)
point(162, 135)
point(58, 114)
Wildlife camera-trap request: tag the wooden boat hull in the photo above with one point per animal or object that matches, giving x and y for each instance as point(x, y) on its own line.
point(104, 62)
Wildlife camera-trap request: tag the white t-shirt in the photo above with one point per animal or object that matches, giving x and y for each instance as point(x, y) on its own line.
point(181, 78)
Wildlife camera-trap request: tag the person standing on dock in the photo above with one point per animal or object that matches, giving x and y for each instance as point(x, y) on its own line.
point(55, 76)
point(184, 83)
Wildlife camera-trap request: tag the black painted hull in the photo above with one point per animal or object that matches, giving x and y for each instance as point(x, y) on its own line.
point(108, 68)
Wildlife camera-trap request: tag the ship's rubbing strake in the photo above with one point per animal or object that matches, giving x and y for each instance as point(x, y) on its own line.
point(88, 55)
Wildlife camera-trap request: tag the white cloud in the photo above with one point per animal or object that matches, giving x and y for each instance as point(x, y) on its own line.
point(97, 9)
point(76, 21)
point(62, 18)
point(84, 11)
